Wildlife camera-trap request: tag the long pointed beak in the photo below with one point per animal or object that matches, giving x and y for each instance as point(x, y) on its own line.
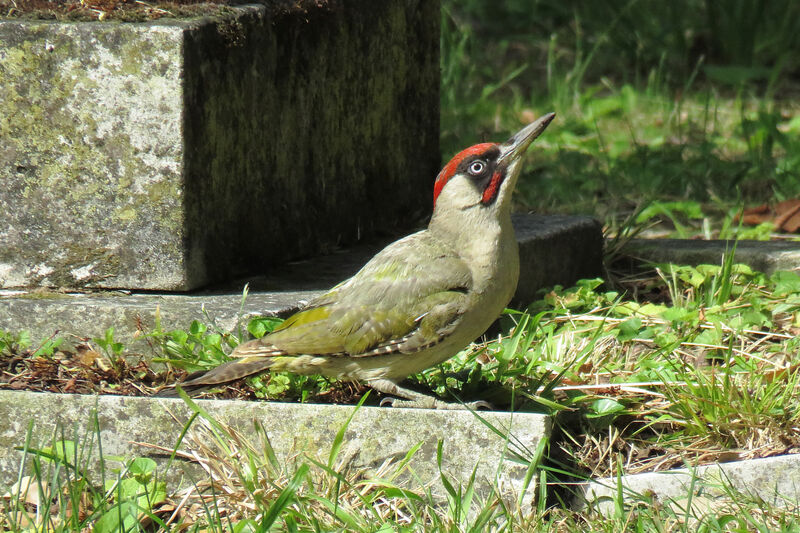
point(516, 145)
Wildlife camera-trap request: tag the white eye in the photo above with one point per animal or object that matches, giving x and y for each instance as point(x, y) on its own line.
point(477, 167)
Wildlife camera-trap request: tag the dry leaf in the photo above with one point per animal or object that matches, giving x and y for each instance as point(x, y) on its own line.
point(785, 216)
point(26, 491)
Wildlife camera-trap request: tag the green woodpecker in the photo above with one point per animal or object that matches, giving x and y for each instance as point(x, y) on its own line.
point(418, 301)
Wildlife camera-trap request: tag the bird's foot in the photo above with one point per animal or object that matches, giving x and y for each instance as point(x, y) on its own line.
point(432, 403)
point(417, 399)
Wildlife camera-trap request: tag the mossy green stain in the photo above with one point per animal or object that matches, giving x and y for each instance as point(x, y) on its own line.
point(59, 153)
point(43, 295)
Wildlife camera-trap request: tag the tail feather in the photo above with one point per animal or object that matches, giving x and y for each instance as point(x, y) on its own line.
point(231, 371)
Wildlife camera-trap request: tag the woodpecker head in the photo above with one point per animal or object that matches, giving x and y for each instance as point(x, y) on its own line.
point(483, 176)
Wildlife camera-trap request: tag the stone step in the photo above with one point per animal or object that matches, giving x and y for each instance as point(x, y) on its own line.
point(773, 479)
point(490, 446)
point(553, 250)
point(764, 256)
point(170, 154)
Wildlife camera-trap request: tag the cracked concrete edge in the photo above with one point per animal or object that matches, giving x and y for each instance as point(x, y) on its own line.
point(373, 436)
point(576, 241)
point(764, 256)
point(775, 480)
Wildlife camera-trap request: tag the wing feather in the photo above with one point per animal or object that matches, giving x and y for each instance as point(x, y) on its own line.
point(394, 304)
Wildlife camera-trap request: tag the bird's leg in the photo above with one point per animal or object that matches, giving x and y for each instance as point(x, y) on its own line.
point(418, 399)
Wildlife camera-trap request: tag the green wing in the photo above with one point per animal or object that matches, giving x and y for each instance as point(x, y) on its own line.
point(393, 304)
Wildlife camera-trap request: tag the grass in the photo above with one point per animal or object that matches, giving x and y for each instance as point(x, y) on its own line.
point(702, 128)
point(672, 117)
point(246, 488)
point(673, 366)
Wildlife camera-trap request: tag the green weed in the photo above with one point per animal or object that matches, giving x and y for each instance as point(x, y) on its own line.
point(655, 103)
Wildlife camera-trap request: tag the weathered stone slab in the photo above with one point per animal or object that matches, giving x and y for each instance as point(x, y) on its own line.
point(775, 480)
point(764, 256)
point(80, 316)
point(556, 250)
point(170, 154)
point(552, 250)
point(374, 435)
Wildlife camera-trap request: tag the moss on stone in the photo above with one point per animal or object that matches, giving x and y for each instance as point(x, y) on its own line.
point(177, 148)
point(86, 166)
point(43, 294)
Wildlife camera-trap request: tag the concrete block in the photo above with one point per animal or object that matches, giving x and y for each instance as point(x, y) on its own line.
point(556, 250)
point(552, 250)
point(75, 316)
point(373, 436)
point(170, 154)
point(775, 480)
point(764, 256)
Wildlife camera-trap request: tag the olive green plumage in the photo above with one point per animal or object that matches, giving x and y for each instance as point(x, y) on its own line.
point(391, 306)
point(418, 301)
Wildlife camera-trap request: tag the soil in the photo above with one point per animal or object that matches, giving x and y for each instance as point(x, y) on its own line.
point(85, 371)
point(140, 10)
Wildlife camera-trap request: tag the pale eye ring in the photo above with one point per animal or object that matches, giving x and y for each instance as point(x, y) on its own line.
point(477, 167)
